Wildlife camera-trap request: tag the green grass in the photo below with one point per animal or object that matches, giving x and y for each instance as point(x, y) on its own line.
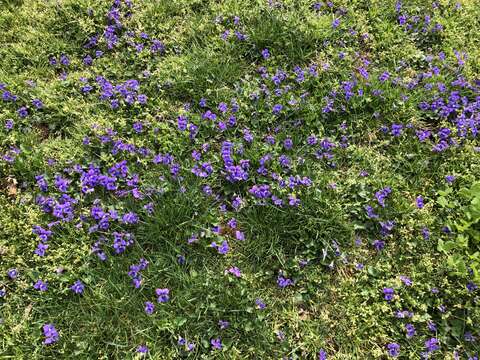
point(325, 245)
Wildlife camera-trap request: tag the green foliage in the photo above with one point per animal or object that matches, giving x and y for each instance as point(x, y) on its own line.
point(326, 244)
point(464, 249)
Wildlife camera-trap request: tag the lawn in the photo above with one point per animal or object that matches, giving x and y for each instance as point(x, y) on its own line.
point(253, 179)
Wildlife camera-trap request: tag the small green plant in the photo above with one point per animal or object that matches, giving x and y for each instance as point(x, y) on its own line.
point(463, 250)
